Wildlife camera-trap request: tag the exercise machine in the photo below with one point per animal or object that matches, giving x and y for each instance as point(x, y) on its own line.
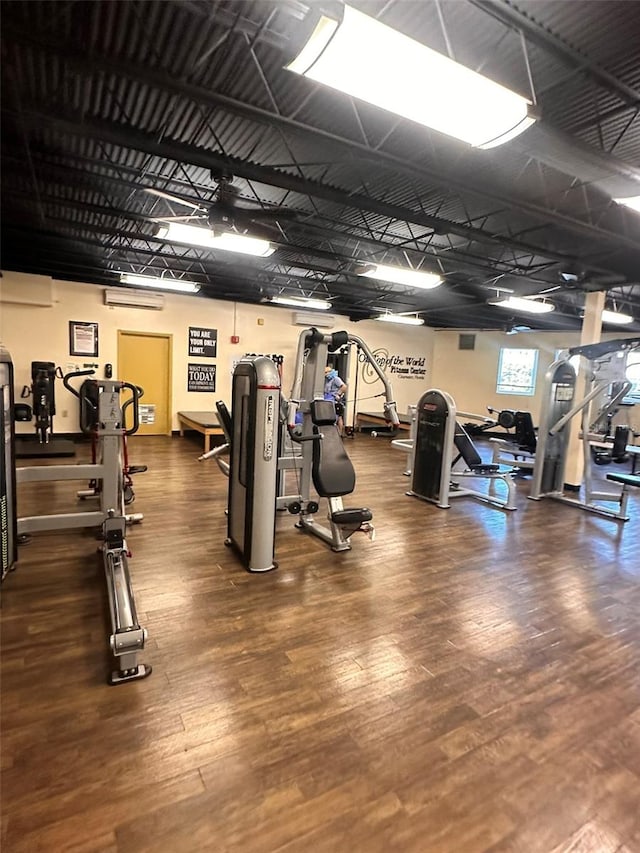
point(434, 476)
point(8, 522)
point(110, 430)
point(253, 434)
point(606, 384)
point(520, 448)
point(127, 638)
point(268, 437)
point(406, 445)
point(324, 462)
point(42, 393)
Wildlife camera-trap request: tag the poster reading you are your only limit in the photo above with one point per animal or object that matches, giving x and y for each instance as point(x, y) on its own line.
point(202, 343)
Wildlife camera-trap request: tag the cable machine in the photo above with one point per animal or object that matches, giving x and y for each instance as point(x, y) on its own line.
point(607, 385)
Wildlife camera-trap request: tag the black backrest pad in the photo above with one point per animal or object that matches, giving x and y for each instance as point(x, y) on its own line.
point(525, 431)
point(466, 447)
point(224, 416)
point(323, 412)
point(332, 471)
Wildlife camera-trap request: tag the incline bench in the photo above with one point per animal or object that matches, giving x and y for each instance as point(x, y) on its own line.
point(205, 422)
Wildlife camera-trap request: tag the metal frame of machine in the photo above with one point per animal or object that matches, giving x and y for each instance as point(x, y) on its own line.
point(127, 638)
point(434, 477)
point(261, 452)
point(308, 385)
point(605, 385)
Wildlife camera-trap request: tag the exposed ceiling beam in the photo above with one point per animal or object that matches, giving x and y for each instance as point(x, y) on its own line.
point(90, 62)
point(507, 13)
point(127, 137)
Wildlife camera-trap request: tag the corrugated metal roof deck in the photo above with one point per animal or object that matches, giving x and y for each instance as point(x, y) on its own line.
point(73, 68)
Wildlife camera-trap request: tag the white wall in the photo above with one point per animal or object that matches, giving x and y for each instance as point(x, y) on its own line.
point(35, 333)
point(470, 376)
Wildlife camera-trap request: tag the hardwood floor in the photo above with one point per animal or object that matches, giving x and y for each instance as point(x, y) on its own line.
point(469, 681)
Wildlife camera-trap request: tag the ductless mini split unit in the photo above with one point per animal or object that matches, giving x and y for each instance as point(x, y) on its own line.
point(314, 318)
point(133, 299)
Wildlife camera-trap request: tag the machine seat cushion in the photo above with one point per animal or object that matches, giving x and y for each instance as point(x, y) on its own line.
point(625, 479)
point(489, 468)
point(351, 516)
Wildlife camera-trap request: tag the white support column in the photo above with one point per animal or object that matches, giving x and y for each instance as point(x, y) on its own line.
point(590, 334)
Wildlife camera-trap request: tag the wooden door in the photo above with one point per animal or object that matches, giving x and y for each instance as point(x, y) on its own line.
point(144, 358)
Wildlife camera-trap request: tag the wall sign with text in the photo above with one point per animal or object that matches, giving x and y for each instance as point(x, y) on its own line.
point(203, 342)
point(201, 377)
point(395, 365)
point(83, 338)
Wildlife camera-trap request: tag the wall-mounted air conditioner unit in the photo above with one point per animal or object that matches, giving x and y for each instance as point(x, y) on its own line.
point(133, 298)
point(314, 318)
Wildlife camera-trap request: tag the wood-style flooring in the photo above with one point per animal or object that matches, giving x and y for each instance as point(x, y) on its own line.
point(469, 681)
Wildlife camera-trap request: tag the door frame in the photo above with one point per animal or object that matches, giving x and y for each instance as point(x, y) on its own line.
point(169, 337)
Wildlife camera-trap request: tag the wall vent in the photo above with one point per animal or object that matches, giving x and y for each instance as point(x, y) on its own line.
point(466, 341)
point(133, 298)
point(314, 318)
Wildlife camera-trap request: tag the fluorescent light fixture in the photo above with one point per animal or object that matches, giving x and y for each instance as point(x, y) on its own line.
point(616, 318)
point(633, 202)
point(400, 318)
point(156, 283)
point(176, 232)
point(523, 303)
point(368, 60)
point(402, 275)
point(301, 302)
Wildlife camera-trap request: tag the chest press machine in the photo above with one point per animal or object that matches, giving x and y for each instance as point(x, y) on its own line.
point(263, 448)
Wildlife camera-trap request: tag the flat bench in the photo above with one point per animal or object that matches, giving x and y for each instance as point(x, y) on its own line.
point(625, 479)
point(373, 419)
point(205, 422)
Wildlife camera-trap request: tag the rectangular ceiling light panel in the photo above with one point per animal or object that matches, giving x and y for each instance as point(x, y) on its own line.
point(399, 318)
point(373, 62)
point(179, 285)
point(523, 303)
point(616, 318)
point(400, 275)
point(633, 202)
point(192, 235)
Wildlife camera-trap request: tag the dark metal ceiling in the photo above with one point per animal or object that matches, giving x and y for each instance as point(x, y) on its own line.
point(102, 99)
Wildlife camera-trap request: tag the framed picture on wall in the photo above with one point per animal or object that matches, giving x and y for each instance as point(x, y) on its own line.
point(83, 338)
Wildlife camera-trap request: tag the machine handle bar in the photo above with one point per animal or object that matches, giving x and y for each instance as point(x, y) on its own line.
point(137, 392)
point(68, 376)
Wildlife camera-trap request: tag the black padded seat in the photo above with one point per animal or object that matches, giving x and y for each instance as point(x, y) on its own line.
point(351, 516)
point(489, 468)
point(625, 479)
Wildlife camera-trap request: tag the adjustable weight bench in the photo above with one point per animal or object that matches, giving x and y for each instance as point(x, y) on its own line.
point(333, 477)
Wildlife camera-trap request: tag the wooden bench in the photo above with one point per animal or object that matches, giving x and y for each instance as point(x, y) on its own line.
point(374, 419)
point(205, 422)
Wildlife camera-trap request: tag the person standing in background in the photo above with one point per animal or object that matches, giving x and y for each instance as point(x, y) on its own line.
point(335, 389)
